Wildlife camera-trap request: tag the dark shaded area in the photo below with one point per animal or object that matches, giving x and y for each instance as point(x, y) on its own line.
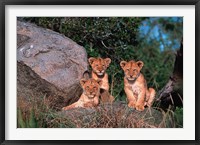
point(31, 88)
point(172, 92)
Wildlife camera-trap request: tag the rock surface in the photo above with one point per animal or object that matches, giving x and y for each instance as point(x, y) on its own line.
point(56, 63)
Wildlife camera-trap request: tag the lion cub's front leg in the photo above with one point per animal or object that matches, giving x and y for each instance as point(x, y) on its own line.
point(74, 105)
point(150, 96)
point(131, 98)
point(92, 103)
point(141, 101)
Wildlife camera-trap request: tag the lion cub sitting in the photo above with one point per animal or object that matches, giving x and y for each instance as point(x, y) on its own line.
point(90, 95)
point(135, 86)
point(99, 66)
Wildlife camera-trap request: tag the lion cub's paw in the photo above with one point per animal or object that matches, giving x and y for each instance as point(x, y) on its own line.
point(64, 108)
point(140, 107)
point(131, 104)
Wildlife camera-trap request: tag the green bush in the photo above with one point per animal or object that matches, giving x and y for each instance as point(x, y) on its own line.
point(29, 122)
point(178, 115)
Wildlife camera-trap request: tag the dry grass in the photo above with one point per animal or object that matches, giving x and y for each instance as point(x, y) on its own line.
point(116, 115)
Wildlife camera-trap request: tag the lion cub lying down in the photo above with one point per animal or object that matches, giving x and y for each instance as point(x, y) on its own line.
point(135, 86)
point(90, 95)
point(99, 66)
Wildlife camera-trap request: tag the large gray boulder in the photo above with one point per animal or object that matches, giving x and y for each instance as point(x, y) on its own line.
point(56, 63)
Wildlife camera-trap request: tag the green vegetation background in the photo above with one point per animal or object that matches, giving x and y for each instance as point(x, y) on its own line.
point(152, 40)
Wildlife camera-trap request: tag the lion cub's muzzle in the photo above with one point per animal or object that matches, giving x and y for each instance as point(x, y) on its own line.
point(100, 73)
point(90, 95)
point(132, 77)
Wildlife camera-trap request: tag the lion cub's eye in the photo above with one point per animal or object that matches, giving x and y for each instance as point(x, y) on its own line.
point(103, 65)
point(87, 87)
point(96, 64)
point(134, 70)
point(94, 87)
point(127, 69)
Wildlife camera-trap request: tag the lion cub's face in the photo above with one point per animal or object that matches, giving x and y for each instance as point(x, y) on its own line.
point(99, 65)
point(91, 87)
point(131, 69)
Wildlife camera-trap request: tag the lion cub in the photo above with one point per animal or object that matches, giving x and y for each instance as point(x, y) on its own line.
point(135, 86)
point(99, 66)
point(90, 95)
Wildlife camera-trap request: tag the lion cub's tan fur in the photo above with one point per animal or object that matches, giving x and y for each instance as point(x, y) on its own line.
point(90, 95)
point(135, 86)
point(99, 66)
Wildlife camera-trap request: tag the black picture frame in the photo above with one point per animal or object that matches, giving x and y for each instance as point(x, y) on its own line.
point(4, 3)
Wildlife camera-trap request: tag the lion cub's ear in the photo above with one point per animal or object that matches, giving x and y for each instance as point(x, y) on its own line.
point(91, 60)
point(99, 82)
point(122, 64)
point(108, 61)
point(140, 64)
point(82, 82)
